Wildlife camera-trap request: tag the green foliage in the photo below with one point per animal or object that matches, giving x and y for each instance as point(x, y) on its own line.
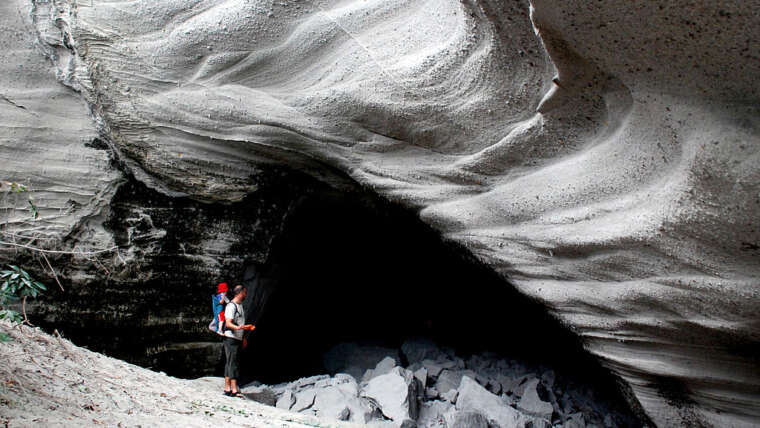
point(16, 284)
point(19, 188)
point(33, 209)
point(16, 187)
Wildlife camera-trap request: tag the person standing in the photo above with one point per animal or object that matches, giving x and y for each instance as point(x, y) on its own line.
point(234, 316)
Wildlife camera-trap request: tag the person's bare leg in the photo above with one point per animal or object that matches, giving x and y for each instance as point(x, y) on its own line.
point(234, 386)
point(227, 387)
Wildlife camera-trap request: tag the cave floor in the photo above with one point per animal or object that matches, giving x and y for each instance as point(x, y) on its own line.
point(48, 381)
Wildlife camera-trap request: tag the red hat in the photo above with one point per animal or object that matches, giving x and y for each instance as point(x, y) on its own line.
point(222, 288)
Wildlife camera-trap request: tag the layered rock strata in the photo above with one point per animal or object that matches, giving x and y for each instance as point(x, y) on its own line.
point(628, 204)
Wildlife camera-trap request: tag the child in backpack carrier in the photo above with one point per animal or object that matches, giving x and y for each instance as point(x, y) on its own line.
point(218, 302)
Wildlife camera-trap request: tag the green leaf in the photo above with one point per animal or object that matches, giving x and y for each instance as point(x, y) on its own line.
point(40, 285)
point(14, 267)
point(33, 209)
point(14, 276)
point(12, 316)
point(4, 337)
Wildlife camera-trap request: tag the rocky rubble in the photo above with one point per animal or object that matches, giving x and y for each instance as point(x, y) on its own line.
point(433, 387)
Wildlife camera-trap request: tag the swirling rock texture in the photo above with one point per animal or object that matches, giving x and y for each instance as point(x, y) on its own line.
point(624, 193)
point(48, 141)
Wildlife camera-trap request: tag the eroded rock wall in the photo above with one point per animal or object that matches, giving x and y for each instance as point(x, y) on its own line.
point(48, 143)
point(628, 204)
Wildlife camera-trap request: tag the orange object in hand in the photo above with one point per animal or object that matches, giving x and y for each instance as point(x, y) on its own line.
point(249, 327)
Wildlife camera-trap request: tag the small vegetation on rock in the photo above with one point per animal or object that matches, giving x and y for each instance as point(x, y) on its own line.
point(12, 187)
point(16, 284)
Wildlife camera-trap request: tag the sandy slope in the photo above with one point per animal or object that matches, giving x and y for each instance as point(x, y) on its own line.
point(47, 381)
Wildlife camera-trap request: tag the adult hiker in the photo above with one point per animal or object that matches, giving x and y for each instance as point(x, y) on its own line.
point(235, 328)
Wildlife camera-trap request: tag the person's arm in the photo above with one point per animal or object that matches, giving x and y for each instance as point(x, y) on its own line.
point(232, 326)
point(229, 317)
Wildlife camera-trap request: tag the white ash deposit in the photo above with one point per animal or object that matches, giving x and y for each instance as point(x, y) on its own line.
point(629, 203)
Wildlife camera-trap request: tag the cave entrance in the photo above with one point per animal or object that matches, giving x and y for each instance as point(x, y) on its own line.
point(359, 269)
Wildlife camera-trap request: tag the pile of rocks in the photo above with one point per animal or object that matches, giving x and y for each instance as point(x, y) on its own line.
point(427, 386)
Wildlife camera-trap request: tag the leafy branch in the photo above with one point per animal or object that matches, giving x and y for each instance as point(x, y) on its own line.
point(16, 284)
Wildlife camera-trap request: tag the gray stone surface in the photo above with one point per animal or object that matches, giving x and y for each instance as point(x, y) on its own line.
point(431, 393)
point(475, 398)
point(46, 144)
point(286, 400)
point(575, 420)
point(450, 395)
point(469, 420)
point(304, 400)
point(396, 393)
point(383, 367)
point(421, 375)
point(514, 385)
point(494, 386)
point(260, 394)
point(434, 369)
point(532, 404)
point(342, 402)
point(387, 399)
point(355, 359)
point(433, 414)
point(448, 380)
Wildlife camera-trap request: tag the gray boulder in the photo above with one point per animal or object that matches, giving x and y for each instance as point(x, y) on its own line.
point(421, 375)
point(395, 393)
point(344, 414)
point(448, 380)
point(433, 414)
point(494, 386)
point(576, 420)
point(452, 363)
point(532, 404)
point(474, 398)
point(286, 400)
point(433, 368)
point(304, 400)
point(300, 384)
point(450, 396)
point(261, 394)
point(383, 367)
point(478, 363)
point(355, 359)
point(431, 393)
point(475, 375)
point(417, 350)
point(468, 420)
point(514, 386)
point(342, 402)
point(538, 423)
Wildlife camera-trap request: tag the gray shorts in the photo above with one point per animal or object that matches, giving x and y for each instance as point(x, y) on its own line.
point(232, 352)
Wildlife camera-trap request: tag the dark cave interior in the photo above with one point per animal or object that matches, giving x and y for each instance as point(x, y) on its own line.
point(367, 271)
